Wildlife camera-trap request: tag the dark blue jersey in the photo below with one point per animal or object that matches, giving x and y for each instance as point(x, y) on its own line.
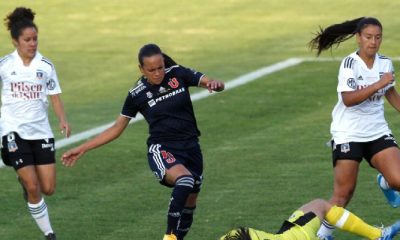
point(166, 107)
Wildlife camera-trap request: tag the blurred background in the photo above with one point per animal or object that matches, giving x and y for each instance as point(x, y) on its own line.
point(263, 143)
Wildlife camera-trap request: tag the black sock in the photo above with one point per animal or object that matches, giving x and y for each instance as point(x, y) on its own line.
point(183, 187)
point(185, 222)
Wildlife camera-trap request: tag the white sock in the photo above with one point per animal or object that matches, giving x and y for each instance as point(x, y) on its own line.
point(40, 214)
point(325, 230)
point(383, 183)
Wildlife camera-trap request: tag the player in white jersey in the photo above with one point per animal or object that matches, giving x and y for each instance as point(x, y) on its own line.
point(27, 140)
point(359, 129)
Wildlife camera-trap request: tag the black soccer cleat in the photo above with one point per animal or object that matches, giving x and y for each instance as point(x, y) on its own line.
point(24, 192)
point(51, 236)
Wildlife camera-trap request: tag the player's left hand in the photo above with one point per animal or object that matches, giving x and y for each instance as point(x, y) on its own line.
point(70, 157)
point(215, 85)
point(65, 128)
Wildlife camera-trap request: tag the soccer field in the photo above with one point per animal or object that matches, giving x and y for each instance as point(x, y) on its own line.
point(263, 143)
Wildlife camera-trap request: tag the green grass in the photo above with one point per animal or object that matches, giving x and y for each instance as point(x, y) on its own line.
point(263, 143)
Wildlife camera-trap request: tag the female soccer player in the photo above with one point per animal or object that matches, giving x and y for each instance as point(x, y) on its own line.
point(304, 223)
point(359, 129)
point(162, 96)
point(27, 140)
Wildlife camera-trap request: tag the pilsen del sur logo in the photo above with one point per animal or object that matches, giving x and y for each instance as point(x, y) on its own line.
point(27, 91)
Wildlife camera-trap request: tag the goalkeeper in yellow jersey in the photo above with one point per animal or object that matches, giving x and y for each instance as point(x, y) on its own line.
point(305, 222)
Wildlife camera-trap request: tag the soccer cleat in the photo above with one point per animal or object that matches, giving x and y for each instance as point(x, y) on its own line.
point(24, 192)
point(389, 232)
point(170, 237)
point(51, 236)
point(392, 196)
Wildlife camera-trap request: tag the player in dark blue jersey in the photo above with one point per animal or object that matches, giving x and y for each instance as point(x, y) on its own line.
point(162, 96)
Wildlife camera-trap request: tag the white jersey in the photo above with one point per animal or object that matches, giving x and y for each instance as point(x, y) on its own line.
point(24, 96)
point(366, 121)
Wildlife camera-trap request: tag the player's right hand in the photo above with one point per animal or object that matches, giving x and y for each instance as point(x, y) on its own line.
point(386, 79)
point(71, 156)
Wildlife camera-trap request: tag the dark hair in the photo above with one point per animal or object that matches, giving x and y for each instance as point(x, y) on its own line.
point(238, 234)
point(18, 20)
point(338, 33)
point(152, 49)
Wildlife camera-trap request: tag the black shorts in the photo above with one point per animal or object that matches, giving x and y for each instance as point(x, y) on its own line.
point(161, 158)
point(18, 152)
point(308, 218)
point(358, 150)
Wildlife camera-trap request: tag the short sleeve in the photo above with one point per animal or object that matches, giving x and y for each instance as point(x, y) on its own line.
point(191, 76)
point(346, 79)
point(52, 84)
point(130, 108)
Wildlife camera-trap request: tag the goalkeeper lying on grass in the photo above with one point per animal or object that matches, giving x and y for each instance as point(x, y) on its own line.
point(305, 222)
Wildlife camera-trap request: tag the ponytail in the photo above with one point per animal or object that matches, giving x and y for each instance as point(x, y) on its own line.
point(338, 33)
point(168, 61)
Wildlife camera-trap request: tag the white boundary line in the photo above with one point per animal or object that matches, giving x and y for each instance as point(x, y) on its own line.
point(239, 81)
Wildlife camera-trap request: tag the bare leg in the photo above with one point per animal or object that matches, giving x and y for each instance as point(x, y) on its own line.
point(29, 176)
point(345, 180)
point(341, 218)
point(31, 183)
point(47, 178)
point(318, 206)
point(387, 162)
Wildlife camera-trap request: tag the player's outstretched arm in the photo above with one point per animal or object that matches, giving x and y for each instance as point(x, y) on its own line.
point(71, 156)
point(211, 84)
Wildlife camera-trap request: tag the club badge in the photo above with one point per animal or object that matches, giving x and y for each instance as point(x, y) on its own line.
point(11, 144)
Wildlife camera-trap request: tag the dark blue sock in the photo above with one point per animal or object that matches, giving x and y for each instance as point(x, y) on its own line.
point(183, 187)
point(185, 222)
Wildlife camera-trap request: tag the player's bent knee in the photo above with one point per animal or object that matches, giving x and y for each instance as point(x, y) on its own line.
point(341, 200)
point(48, 191)
point(33, 188)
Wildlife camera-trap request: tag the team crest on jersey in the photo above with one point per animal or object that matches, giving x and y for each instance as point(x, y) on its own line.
point(351, 83)
point(174, 83)
point(345, 147)
point(39, 74)
point(51, 84)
